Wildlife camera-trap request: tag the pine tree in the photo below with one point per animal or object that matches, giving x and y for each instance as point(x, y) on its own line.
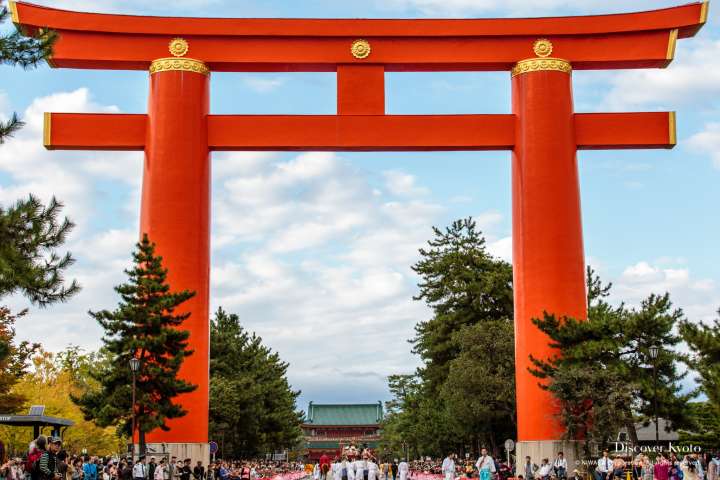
point(602, 375)
point(17, 49)
point(146, 326)
point(704, 343)
point(470, 294)
point(252, 406)
point(30, 233)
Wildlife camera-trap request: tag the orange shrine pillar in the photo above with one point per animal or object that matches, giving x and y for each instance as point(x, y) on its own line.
point(548, 256)
point(175, 213)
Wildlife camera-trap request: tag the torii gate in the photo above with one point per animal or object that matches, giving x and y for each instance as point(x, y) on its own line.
point(543, 133)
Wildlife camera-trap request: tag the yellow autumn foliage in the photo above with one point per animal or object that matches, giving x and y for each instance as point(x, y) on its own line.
point(48, 385)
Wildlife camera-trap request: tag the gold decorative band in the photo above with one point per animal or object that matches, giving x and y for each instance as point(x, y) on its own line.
point(182, 64)
point(540, 64)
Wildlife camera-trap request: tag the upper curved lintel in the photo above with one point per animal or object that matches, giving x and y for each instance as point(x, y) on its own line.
point(686, 18)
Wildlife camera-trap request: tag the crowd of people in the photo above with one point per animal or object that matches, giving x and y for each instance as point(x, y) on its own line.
point(46, 460)
point(253, 469)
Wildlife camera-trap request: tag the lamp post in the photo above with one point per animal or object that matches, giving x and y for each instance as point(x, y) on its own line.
point(654, 350)
point(134, 368)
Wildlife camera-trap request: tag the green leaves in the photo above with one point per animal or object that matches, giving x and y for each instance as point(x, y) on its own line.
point(252, 406)
point(30, 233)
point(603, 373)
point(144, 326)
point(464, 393)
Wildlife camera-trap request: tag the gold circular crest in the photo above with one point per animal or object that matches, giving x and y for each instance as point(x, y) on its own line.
point(360, 48)
point(543, 47)
point(178, 47)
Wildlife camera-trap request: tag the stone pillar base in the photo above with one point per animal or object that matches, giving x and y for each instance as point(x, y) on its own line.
point(194, 451)
point(537, 450)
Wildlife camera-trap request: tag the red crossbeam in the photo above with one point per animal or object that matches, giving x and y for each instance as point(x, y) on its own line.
point(632, 40)
point(88, 131)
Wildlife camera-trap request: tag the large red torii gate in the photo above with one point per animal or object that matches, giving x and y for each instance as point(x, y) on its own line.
point(543, 133)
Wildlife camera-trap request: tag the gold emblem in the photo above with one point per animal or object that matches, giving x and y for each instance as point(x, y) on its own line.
point(360, 48)
point(178, 47)
point(181, 64)
point(543, 47)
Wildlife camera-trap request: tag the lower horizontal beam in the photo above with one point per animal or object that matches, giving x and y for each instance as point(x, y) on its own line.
point(609, 131)
point(613, 131)
point(94, 131)
point(361, 132)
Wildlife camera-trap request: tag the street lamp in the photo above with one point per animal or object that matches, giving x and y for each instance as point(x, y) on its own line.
point(134, 368)
point(654, 350)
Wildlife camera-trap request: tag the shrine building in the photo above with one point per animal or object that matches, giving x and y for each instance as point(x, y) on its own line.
point(328, 428)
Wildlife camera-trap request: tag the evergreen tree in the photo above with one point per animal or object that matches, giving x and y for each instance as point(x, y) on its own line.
point(29, 263)
point(704, 343)
point(146, 326)
point(252, 406)
point(13, 362)
point(17, 49)
point(464, 285)
point(603, 372)
point(470, 294)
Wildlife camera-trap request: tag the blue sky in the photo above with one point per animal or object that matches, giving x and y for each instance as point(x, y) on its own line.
point(313, 250)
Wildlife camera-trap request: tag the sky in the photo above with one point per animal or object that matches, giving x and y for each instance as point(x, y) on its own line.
point(313, 250)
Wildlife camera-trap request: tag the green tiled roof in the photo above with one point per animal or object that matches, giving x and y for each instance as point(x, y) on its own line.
point(357, 414)
point(328, 444)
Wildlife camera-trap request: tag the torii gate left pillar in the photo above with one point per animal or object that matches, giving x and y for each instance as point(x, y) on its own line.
point(543, 132)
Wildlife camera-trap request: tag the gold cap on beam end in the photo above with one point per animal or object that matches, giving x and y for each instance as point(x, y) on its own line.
point(47, 126)
point(672, 129)
point(704, 12)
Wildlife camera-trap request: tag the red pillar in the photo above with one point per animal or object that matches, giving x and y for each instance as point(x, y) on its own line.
point(175, 213)
point(548, 257)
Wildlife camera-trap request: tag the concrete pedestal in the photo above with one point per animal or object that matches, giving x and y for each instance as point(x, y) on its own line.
point(537, 450)
point(194, 451)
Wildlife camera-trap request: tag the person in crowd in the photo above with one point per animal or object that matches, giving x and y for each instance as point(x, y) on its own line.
point(661, 470)
point(48, 463)
point(161, 471)
point(713, 467)
point(618, 468)
point(560, 466)
point(403, 469)
point(186, 470)
point(485, 465)
point(544, 471)
point(89, 469)
point(140, 470)
point(394, 469)
point(151, 466)
point(604, 467)
point(373, 469)
point(530, 468)
point(448, 467)
point(675, 472)
point(199, 471)
point(37, 448)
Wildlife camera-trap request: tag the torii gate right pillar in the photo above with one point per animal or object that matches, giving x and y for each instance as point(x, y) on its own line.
point(548, 256)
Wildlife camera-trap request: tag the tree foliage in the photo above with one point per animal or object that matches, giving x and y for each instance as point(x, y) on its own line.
point(13, 362)
point(52, 381)
point(252, 406)
point(146, 326)
point(17, 49)
point(704, 343)
point(30, 234)
point(463, 395)
point(603, 373)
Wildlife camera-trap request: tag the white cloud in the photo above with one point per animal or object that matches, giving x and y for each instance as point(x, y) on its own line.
point(402, 184)
point(691, 79)
point(465, 8)
point(708, 141)
point(699, 298)
point(262, 84)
